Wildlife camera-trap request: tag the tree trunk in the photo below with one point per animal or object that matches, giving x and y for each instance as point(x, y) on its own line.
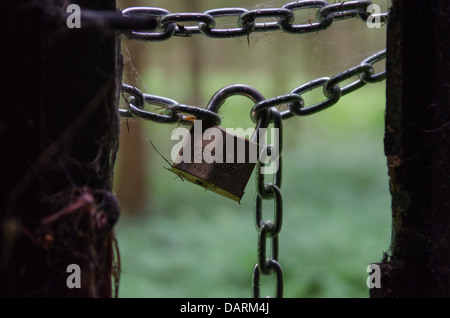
point(58, 132)
point(417, 146)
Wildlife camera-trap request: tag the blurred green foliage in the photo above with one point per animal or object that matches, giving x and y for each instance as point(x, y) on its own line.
point(192, 243)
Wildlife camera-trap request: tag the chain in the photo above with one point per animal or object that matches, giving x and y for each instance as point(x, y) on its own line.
point(269, 229)
point(173, 24)
point(158, 24)
point(331, 90)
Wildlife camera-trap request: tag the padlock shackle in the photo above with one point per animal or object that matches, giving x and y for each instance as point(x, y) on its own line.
point(218, 99)
point(221, 95)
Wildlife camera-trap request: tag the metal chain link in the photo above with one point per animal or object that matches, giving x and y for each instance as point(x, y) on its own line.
point(158, 24)
point(172, 24)
point(269, 229)
point(265, 191)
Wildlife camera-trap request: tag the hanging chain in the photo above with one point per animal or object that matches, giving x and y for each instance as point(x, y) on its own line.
point(269, 229)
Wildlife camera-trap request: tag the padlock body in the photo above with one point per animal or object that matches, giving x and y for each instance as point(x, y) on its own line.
point(222, 164)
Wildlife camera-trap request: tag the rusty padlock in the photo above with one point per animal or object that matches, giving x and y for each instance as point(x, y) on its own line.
point(226, 166)
point(222, 164)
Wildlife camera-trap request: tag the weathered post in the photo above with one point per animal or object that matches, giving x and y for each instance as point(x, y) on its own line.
point(59, 136)
point(417, 146)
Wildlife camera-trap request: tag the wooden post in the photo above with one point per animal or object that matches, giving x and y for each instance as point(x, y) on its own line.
point(417, 146)
point(59, 136)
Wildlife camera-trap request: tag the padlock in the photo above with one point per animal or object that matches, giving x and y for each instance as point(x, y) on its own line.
point(223, 168)
point(229, 176)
